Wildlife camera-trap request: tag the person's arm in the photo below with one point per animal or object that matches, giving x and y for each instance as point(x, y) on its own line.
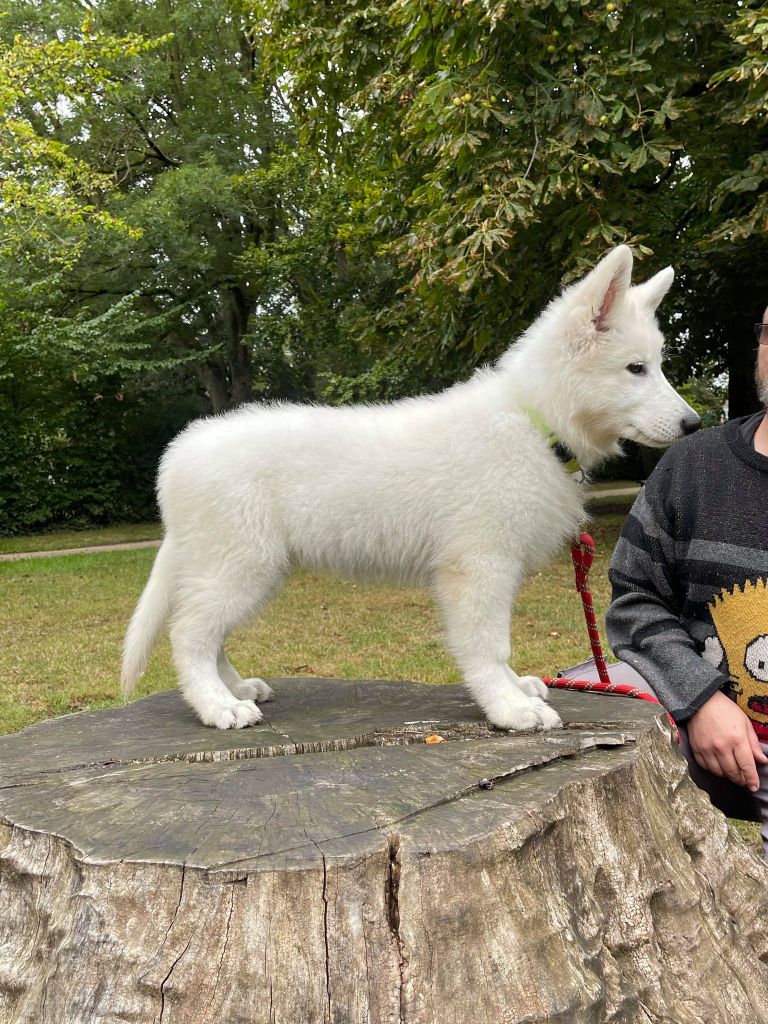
point(644, 630)
point(643, 620)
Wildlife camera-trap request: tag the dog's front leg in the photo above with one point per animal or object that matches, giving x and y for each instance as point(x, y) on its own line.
point(475, 598)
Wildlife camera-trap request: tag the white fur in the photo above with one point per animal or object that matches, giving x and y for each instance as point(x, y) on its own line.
point(458, 491)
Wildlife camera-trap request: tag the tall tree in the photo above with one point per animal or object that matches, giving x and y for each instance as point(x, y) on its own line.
point(189, 144)
point(163, 235)
point(513, 142)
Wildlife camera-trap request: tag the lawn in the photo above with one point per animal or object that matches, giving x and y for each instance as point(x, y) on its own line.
point(62, 621)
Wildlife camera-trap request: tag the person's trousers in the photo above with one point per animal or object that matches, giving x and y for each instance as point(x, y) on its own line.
point(733, 800)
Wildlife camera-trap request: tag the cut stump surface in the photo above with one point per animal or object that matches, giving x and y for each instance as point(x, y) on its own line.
point(330, 867)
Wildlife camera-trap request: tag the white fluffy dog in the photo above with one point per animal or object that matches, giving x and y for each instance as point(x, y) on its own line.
point(461, 491)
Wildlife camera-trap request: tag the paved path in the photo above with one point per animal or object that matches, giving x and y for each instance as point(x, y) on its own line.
point(17, 556)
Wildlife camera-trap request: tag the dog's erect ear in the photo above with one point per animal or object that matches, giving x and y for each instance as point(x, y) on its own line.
point(651, 292)
point(608, 284)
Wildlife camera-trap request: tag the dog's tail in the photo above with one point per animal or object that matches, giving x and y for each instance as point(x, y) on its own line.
point(147, 620)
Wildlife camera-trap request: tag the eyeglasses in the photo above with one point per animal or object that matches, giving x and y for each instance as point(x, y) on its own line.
point(761, 334)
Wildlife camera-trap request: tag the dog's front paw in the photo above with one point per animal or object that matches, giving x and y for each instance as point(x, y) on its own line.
point(252, 689)
point(518, 717)
point(238, 715)
point(532, 686)
point(548, 717)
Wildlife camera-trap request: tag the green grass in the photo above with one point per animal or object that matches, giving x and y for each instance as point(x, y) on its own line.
point(62, 621)
point(63, 539)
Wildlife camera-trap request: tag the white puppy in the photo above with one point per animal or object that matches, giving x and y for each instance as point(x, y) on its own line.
point(461, 491)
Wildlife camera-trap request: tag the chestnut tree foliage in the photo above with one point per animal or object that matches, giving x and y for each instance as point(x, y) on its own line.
point(508, 144)
point(203, 203)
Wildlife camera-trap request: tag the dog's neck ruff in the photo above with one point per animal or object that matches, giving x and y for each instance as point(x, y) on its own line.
point(569, 461)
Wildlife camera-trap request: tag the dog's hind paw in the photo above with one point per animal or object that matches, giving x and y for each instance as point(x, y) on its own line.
point(252, 689)
point(238, 715)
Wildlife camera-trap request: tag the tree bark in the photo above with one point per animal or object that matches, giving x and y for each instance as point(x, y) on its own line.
point(331, 866)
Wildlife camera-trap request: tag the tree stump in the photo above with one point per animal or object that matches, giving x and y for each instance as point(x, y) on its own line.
point(331, 866)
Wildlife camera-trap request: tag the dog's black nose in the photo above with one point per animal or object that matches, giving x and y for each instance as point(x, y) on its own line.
point(690, 423)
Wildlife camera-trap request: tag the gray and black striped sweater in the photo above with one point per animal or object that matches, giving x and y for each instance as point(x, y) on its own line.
point(690, 575)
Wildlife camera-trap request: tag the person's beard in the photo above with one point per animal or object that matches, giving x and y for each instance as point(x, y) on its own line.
point(762, 388)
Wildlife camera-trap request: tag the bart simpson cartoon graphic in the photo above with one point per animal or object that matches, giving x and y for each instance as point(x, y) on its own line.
point(740, 617)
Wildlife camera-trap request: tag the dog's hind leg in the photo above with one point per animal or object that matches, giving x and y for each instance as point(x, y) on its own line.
point(476, 601)
point(243, 689)
point(209, 607)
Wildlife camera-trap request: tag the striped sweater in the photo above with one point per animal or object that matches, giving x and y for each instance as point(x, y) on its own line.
point(690, 575)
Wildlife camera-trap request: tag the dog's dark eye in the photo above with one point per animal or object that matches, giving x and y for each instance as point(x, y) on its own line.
point(636, 367)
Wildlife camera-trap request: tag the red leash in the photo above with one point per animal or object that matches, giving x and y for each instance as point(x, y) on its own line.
point(582, 553)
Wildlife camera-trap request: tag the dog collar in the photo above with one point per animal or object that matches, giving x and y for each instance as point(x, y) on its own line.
point(568, 460)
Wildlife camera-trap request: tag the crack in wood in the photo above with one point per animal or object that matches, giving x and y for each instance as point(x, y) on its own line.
point(392, 901)
point(474, 787)
point(167, 933)
point(165, 980)
point(325, 936)
point(212, 870)
point(226, 940)
point(325, 925)
point(408, 734)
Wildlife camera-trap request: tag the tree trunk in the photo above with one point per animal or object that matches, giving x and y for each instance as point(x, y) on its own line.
point(236, 315)
point(228, 379)
point(331, 866)
point(213, 376)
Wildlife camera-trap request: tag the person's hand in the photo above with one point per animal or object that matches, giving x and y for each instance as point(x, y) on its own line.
point(723, 741)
